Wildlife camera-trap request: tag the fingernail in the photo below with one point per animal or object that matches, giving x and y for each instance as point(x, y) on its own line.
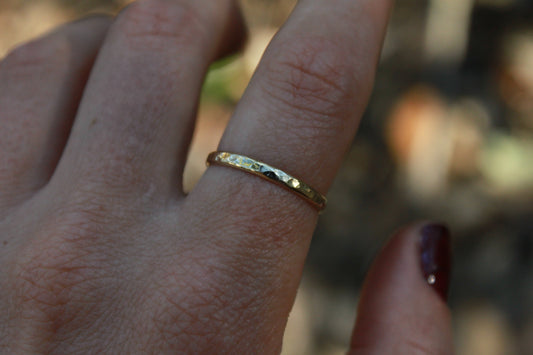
point(435, 252)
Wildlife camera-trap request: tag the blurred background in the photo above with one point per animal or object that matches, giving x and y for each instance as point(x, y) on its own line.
point(448, 135)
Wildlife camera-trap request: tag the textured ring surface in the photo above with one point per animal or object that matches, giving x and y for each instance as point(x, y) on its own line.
point(269, 173)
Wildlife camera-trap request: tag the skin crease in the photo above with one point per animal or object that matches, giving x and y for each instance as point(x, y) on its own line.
point(101, 250)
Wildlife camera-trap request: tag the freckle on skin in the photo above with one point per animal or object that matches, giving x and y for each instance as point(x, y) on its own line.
point(4, 242)
point(93, 122)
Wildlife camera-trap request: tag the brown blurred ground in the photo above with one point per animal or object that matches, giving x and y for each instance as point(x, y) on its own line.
point(448, 135)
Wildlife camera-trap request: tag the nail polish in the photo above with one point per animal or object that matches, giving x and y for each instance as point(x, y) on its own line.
point(435, 250)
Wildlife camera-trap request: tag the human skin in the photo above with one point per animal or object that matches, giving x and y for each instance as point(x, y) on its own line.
point(101, 251)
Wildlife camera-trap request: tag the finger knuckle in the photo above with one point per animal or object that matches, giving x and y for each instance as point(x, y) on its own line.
point(152, 23)
point(312, 80)
point(113, 179)
point(259, 217)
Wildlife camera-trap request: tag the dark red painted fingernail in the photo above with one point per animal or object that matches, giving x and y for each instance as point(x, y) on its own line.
point(436, 253)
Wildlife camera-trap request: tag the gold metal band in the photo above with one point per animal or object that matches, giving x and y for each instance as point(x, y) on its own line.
point(269, 173)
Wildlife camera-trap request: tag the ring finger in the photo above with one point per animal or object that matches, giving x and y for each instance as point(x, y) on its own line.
point(299, 114)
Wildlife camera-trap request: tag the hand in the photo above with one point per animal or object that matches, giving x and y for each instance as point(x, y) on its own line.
point(102, 252)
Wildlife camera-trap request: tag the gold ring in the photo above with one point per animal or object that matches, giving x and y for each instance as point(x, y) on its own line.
point(269, 173)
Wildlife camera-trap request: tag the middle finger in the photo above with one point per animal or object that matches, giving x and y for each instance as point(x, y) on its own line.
point(137, 113)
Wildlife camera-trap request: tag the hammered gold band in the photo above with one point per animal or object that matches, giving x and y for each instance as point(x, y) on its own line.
point(269, 173)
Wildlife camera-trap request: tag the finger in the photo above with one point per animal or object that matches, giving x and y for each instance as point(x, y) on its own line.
point(40, 86)
point(299, 115)
point(136, 117)
point(302, 107)
point(403, 309)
